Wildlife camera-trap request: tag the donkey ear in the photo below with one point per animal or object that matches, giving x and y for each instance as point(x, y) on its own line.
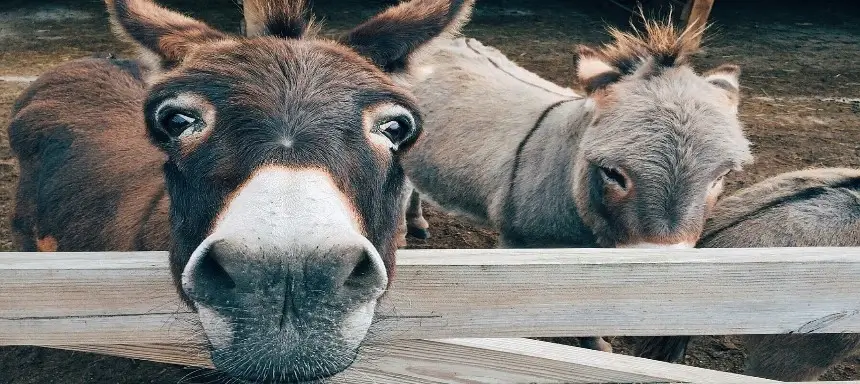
point(164, 35)
point(726, 77)
point(593, 71)
point(389, 38)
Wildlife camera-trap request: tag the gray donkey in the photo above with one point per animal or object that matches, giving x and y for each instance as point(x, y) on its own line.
point(811, 208)
point(638, 161)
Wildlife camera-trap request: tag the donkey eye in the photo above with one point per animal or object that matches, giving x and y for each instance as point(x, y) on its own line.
point(395, 130)
point(181, 124)
point(613, 176)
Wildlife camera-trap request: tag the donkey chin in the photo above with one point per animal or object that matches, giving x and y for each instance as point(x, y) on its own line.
point(294, 348)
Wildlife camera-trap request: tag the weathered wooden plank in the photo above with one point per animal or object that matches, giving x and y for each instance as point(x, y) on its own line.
point(56, 299)
point(695, 15)
point(475, 361)
point(179, 354)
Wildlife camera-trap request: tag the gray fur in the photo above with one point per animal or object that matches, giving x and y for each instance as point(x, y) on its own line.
point(455, 166)
point(810, 208)
point(514, 152)
point(670, 129)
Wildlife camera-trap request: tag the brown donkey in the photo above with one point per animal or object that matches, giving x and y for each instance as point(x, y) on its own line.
point(811, 208)
point(636, 162)
point(277, 188)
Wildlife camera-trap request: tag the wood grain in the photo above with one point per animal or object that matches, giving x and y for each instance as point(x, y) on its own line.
point(87, 298)
point(475, 361)
point(695, 15)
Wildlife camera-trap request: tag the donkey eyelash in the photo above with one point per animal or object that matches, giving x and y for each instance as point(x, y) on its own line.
point(170, 106)
point(394, 112)
point(184, 103)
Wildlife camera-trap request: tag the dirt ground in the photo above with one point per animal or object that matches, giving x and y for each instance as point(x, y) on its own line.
point(801, 85)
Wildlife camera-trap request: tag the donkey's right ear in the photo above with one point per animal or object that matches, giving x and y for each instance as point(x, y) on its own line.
point(164, 36)
point(726, 78)
point(389, 38)
point(593, 72)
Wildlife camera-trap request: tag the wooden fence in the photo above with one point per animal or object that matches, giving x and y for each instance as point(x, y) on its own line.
point(460, 315)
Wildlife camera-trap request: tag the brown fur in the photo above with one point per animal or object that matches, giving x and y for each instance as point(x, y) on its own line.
point(47, 244)
point(661, 41)
point(175, 35)
point(268, 165)
point(446, 16)
point(662, 45)
point(102, 189)
point(269, 18)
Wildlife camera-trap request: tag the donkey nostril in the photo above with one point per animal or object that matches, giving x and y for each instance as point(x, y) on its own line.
point(363, 274)
point(215, 274)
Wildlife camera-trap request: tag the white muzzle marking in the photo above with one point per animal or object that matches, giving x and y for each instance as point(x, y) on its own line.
point(291, 211)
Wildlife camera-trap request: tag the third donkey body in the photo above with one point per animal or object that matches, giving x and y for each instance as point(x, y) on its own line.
point(809, 208)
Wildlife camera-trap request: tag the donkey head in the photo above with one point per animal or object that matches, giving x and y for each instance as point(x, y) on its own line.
point(283, 173)
point(661, 139)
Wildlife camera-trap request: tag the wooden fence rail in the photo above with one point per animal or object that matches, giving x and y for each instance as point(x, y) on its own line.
point(128, 298)
point(474, 361)
point(125, 304)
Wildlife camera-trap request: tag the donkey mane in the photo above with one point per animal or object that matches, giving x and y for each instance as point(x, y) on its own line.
point(282, 18)
point(662, 43)
point(471, 52)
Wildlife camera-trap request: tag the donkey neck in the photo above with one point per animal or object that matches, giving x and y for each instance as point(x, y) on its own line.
point(493, 57)
point(540, 210)
point(486, 84)
point(479, 109)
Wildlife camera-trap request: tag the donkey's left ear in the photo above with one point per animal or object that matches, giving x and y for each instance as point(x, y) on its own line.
point(593, 72)
point(727, 78)
point(165, 37)
point(389, 38)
